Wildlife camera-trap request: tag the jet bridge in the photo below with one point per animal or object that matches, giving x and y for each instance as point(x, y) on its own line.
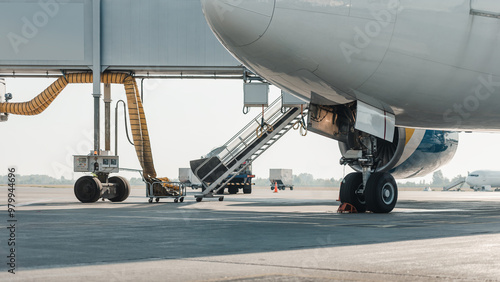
point(104, 42)
point(222, 164)
point(121, 41)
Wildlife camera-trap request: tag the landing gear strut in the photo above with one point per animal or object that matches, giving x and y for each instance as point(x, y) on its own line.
point(368, 190)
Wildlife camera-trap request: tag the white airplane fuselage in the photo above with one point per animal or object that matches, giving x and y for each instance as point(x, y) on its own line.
point(434, 64)
point(483, 178)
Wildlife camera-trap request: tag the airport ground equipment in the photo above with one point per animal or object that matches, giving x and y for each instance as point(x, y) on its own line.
point(242, 181)
point(458, 183)
point(165, 189)
point(96, 41)
point(3, 97)
point(281, 177)
point(244, 147)
point(347, 208)
point(99, 162)
point(187, 177)
point(255, 95)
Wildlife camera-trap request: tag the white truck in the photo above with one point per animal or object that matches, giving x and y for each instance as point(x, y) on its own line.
point(281, 177)
point(187, 176)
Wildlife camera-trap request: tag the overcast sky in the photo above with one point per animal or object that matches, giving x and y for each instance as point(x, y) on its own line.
point(186, 119)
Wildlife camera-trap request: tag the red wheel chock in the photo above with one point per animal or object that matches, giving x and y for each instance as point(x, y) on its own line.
point(347, 208)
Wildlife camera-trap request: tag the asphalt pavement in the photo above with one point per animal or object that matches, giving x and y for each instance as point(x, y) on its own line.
point(286, 236)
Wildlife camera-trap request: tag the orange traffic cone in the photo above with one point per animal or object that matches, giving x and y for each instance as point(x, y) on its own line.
point(275, 187)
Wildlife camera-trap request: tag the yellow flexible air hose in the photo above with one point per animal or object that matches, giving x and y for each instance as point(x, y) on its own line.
point(137, 117)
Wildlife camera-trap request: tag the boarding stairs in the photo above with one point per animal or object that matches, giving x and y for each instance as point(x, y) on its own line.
point(457, 183)
point(221, 165)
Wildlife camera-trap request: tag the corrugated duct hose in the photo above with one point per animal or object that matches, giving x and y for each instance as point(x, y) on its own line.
point(138, 123)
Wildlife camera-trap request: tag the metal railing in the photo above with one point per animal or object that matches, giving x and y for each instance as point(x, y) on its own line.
point(248, 134)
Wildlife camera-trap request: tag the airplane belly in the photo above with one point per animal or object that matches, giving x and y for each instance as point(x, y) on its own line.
point(432, 63)
point(330, 49)
point(443, 62)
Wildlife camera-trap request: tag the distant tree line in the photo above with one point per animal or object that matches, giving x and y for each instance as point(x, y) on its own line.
point(308, 180)
point(38, 179)
point(47, 180)
point(301, 180)
point(438, 180)
point(136, 181)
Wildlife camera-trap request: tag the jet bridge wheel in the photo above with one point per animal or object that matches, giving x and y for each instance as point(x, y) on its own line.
point(88, 189)
point(122, 188)
point(349, 191)
point(381, 193)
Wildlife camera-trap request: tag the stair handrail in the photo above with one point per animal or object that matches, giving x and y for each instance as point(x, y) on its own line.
point(274, 113)
point(244, 129)
point(223, 180)
point(258, 117)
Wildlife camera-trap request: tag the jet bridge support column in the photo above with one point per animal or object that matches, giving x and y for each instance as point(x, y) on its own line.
point(3, 117)
point(97, 71)
point(107, 117)
point(97, 115)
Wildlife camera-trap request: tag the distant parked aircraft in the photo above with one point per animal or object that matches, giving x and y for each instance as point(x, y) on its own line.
point(483, 180)
point(479, 180)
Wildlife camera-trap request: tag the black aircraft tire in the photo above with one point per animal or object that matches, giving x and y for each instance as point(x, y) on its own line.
point(381, 193)
point(88, 189)
point(122, 188)
point(348, 187)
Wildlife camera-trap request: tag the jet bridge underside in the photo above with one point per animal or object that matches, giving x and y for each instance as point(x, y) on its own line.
point(149, 37)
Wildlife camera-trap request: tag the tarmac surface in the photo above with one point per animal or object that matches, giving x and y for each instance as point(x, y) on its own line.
point(289, 236)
